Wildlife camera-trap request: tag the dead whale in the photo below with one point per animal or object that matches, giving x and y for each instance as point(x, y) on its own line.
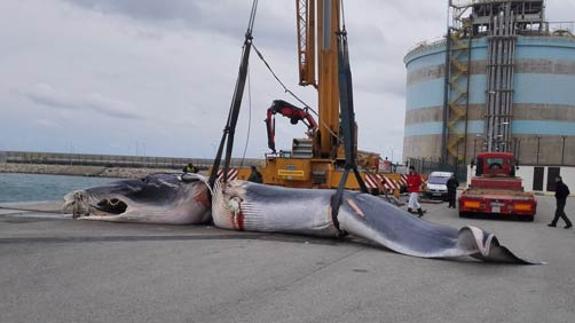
point(245, 206)
point(158, 198)
point(240, 205)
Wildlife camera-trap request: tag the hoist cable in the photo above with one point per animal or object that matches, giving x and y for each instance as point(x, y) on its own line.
point(249, 118)
point(290, 92)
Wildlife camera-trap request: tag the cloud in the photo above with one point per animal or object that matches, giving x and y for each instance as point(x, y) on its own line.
point(227, 17)
point(46, 123)
point(153, 10)
point(171, 65)
point(45, 95)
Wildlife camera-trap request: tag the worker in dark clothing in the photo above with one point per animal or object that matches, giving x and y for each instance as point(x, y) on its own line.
point(561, 194)
point(190, 168)
point(452, 185)
point(255, 176)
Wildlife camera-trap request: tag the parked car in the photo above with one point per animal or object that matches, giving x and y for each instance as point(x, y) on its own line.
point(437, 185)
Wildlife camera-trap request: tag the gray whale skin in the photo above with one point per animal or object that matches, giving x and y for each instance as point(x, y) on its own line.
point(246, 206)
point(163, 198)
point(240, 205)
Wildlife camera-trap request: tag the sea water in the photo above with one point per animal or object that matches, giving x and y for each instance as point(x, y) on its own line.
point(34, 187)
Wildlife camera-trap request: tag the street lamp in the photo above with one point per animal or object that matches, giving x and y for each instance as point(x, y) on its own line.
point(392, 150)
point(477, 137)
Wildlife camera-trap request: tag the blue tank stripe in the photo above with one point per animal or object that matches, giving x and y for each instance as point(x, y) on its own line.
point(545, 89)
point(529, 88)
point(435, 128)
point(519, 127)
point(430, 93)
point(544, 128)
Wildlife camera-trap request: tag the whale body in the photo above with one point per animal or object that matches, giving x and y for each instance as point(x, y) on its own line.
point(245, 206)
point(240, 205)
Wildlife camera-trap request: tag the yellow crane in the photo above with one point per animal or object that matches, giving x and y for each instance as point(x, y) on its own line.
point(318, 160)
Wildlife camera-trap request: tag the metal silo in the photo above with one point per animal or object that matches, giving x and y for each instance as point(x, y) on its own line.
point(509, 85)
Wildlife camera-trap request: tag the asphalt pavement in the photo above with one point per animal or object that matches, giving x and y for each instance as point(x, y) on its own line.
point(55, 269)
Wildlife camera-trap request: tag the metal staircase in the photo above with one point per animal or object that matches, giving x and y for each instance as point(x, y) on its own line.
point(456, 92)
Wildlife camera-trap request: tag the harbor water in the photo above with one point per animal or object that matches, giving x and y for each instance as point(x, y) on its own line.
point(35, 187)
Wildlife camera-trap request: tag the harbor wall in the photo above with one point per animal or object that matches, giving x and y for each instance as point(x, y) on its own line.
point(101, 165)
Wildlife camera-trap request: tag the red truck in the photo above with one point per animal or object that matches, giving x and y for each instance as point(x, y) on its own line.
point(495, 190)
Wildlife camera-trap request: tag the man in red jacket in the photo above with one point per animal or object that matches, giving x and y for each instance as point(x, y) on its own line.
point(413, 187)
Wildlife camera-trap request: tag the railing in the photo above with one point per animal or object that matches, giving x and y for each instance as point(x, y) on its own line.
point(439, 40)
point(561, 27)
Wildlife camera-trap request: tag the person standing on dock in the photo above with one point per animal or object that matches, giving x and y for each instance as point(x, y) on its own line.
point(452, 185)
point(561, 194)
point(414, 187)
point(190, 168)
point(255, 176)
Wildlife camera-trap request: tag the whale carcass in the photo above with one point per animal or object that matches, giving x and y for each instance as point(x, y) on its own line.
point(246, 206)
point(164, 198)
point(240, 205)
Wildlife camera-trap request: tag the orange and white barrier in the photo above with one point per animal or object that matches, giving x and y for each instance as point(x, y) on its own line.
point(380, 181)
point(403, 180)
point(372, 181)
point(232, 174)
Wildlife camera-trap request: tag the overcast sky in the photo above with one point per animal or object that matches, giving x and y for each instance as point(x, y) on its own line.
point(155, 78)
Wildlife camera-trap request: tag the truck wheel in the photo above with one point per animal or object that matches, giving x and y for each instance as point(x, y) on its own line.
point(462, 214)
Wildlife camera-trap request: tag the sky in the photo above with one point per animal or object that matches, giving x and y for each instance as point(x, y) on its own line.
point(155, 78)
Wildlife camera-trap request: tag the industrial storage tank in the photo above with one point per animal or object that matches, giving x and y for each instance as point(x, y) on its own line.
point(509, 86)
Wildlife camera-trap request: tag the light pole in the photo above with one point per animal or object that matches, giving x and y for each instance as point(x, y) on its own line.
point(563, 149)
point(477, 137)
point(538, 148)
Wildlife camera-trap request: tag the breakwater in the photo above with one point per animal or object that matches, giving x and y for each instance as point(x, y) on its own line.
point(100, 165)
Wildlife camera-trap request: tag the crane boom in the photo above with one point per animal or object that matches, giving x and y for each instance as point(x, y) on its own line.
point(327, 141)
point(328, 87)
point(306, 41)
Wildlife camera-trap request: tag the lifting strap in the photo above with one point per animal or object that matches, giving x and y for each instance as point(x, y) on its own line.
point(347, 124)
point(230, 128)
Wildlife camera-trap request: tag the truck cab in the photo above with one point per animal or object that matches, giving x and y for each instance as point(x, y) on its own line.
point(496, 190)
point(496, 170)
point(495, 164)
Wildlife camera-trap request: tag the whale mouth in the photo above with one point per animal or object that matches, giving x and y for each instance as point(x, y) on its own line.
point(82, 203)
point(112, 206)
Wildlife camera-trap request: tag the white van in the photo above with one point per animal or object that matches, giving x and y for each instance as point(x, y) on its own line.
point(437, 184)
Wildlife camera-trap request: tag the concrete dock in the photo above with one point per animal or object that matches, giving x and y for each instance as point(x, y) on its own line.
point(54, 269)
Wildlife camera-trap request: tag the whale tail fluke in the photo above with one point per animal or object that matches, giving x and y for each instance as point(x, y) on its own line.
point(374, 219)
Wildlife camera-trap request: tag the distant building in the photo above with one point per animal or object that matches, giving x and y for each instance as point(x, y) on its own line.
point(509, 86)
